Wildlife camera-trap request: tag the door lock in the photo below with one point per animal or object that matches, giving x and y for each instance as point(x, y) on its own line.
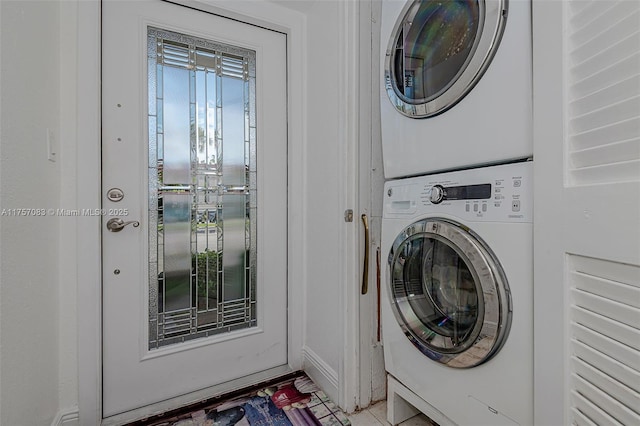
point(115, 224)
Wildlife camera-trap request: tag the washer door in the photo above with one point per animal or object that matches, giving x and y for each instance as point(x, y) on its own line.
point(449, 293)
point(438, 51)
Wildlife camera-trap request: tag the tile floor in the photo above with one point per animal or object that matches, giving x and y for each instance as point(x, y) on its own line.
point(376, 415)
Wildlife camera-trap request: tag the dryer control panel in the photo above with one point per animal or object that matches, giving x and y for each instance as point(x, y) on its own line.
point(497, 194)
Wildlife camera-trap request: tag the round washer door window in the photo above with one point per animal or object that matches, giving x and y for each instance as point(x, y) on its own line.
point(439, 50)
point(449, 293)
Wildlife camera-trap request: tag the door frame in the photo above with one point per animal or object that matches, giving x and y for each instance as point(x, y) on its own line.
point(373, 376)
point(87, 240)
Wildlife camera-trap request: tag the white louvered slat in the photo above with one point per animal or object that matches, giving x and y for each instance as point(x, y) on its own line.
point(612, 113)
point(621, 131)
point(603, 91)
point(620, 272)
point(603, 41)
point(615, 12)
point(605, 402)
point(579, 419)
point(611, 309)
point(616, 152)
point(614, 54)
point(607, 384)
point(614, 291)
point(619, 371)
point(584, 13)
point(592, 411)
point(614, 93)
point(624, 171)
point(611, 74)
point(606, 335)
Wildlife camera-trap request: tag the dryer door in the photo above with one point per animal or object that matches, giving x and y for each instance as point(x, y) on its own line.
point(439, 50)
point(449, 293)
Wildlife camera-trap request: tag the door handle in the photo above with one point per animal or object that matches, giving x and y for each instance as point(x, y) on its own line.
point(115, 224)
point(365, 269)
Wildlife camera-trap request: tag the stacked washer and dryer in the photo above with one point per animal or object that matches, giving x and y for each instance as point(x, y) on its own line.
point(457, 307)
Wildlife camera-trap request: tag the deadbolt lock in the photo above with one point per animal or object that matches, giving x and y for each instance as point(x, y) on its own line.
point(115, 194)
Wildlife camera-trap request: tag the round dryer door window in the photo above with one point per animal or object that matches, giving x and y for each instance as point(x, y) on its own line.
point(449, 293)
point(439, 50)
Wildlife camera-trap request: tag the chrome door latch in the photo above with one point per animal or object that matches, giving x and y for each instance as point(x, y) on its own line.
point(348, 215)
point(115, 224)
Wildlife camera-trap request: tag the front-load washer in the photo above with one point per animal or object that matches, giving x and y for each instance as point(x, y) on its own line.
point(455, 85)
point(457, 305)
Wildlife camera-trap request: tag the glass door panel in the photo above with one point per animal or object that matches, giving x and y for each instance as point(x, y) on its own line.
point(202, 188)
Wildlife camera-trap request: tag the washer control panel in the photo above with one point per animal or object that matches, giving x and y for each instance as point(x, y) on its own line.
point(496, 193)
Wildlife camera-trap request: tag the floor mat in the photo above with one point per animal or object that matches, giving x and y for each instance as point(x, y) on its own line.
point(293, 402)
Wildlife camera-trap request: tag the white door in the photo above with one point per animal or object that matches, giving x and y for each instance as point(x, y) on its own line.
point(194, 156)
point(587, 212)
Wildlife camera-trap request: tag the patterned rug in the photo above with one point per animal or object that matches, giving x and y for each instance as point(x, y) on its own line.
point(294, 402)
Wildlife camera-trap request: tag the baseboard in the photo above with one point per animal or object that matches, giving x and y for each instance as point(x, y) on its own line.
point(68, 417)
point(321, 373)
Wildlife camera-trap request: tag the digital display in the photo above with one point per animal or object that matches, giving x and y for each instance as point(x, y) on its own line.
point(468, 192)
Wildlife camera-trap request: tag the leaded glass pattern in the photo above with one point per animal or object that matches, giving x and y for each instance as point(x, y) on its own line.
point(202, 188)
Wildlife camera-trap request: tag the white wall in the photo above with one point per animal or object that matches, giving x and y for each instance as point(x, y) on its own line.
point(324, 218)
point(29, 82)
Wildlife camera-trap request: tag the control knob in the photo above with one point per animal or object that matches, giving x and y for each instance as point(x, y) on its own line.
point(436, 195)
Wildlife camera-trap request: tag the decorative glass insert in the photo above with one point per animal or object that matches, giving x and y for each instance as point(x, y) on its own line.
point(202, 188)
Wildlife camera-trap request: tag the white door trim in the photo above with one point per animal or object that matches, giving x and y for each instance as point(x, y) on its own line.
point(549, 366)
point(88, 241)
point(371, 182)
point(87, 244)
point(349, 120)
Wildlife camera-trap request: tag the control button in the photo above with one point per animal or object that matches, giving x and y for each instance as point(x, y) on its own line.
point(467, 207)
point(475, 207)
point(484, 207)
point(517, 183)
point(515, 205)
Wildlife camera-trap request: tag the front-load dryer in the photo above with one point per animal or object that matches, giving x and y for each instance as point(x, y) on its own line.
point(457, 305)
point(456, 84)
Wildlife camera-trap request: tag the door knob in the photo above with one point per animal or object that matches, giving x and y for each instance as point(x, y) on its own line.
point(115, 224)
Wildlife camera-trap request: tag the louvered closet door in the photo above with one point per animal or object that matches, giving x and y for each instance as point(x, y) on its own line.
point(603, 195)
point(591, 211)
point(195, 203)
